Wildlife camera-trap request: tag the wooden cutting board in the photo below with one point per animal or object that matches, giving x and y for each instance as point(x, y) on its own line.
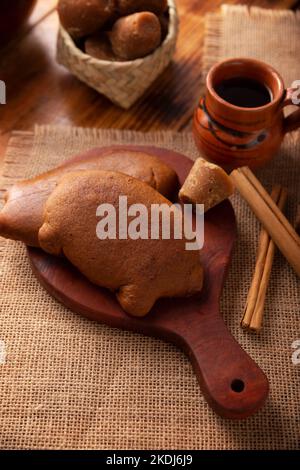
point(230, 380)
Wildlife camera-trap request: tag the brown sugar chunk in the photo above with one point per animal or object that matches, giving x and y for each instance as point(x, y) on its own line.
point(83, 17)
point(126, 7)
point(298, 220)
point(136, 35)
point(139, 271)
point(99, 47)
point(206, 184)
point(22, 215)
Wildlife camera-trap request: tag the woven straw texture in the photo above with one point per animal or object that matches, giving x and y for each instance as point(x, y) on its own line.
point(121, 82)
point(69, 383)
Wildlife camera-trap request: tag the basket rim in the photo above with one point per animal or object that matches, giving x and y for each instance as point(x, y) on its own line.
point(168, 41)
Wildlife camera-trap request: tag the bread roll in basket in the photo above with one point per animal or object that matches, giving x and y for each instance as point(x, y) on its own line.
point(122, 82)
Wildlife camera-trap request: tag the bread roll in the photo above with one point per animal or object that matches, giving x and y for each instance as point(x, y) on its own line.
point(126, 7)
point(206, 184)
point(135, 35)
point(22, 215)
point(139, 271)
point(84, 17)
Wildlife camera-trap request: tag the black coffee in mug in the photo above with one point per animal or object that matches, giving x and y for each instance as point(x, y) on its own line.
point(244, 92)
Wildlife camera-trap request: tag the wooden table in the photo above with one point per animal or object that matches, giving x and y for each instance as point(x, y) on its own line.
point(40, 91)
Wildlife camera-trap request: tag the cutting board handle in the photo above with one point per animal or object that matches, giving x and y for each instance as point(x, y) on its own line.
point(231, 381)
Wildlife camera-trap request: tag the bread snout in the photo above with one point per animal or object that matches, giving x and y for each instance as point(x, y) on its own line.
point(49, 240)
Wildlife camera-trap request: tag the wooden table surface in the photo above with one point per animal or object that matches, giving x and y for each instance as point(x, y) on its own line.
point(40, 91)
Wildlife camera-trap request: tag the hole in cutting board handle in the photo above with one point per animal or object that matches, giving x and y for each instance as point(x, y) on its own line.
point(237, 385)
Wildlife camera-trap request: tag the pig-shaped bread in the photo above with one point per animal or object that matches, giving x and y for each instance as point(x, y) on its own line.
point(139, 271)
point(99, 47)
point(22, 215)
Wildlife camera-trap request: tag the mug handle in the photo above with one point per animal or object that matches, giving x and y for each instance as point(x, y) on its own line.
point(292, 122)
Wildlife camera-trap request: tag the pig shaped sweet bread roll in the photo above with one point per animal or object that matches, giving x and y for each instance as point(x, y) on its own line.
point(139, 271)
point(126, 7)
point(22, 214)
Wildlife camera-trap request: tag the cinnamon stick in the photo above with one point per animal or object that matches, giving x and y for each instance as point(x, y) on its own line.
point(281, 231)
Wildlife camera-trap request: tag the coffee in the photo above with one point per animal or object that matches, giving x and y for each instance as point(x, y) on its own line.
point(244, 92)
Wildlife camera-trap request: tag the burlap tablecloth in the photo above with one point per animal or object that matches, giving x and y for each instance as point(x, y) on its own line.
point(69, 383)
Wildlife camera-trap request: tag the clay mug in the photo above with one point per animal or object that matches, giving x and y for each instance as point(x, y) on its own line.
point(234, 136)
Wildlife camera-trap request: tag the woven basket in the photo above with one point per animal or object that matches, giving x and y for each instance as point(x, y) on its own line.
point(122, 82)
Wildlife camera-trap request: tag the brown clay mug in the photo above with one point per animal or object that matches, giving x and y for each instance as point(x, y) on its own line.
point(236, 133)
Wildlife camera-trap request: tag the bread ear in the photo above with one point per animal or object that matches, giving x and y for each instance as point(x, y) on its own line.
point(136, 299)
point(49, 240)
